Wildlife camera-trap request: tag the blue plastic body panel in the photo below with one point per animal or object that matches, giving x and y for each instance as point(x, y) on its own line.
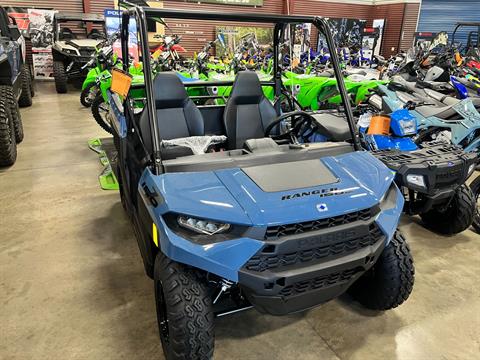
point(462, 130)
point(382, 142)
point(230, 196)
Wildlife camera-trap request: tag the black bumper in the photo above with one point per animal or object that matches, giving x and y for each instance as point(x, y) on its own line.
point(296, 272)
point(443, 166)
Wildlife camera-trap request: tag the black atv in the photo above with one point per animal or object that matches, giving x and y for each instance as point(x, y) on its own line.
point(72, 51)
point(16, 88)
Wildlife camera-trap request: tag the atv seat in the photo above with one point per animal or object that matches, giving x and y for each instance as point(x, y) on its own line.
point(176, 114)
point(247, 112)
point(67, 34)
point(95, 34)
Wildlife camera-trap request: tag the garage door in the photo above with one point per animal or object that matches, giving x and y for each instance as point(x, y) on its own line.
point(441, 15)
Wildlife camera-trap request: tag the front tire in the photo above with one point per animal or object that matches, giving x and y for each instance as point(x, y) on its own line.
point(184, 311)
point(390, 281)
point(8, 93)
point(475, 186)
point(88, 95)
point(100, 110)
point(25, 99)
point(457, 217)
point(8, 145)
point(60, 77)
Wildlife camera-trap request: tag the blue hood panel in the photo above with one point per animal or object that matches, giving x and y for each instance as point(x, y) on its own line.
point(230, 195)
point(298, 205)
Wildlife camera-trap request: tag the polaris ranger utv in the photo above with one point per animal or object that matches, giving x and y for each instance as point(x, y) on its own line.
point(72, 51)
point(15, 87)
point(231, 211)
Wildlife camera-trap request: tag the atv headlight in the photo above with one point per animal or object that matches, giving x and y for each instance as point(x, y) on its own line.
point(70, 51)
point(417, 180)
point(409, 127)
point(202, 226)
point(471, 169)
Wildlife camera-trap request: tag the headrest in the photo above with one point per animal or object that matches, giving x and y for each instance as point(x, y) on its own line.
point(169, 91)
point(247, 88)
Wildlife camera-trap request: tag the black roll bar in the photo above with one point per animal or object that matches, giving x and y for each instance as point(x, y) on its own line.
point(280, 21)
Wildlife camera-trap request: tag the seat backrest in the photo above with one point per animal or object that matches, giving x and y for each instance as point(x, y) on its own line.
point(247, 112)
point(95, 34)
point(176, 114)
point(66, 34)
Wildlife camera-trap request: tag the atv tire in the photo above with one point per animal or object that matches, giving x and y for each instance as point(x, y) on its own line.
point(8, 145)
point(390, 281)
point(25, 99)
point(60, 77)
point(98, 107)
point(85, 95)
point(475, 187)
point(8, 94)
point(458, 215)
point(184, 311)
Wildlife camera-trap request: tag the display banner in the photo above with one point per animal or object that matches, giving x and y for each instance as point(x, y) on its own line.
point(41, 35)
point(230, 2)
point(113, 21)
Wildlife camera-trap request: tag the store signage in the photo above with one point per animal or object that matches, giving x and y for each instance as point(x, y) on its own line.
point(231, 2)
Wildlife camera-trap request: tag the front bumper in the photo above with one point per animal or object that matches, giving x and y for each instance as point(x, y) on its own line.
point(299, 271)
point(444, 167)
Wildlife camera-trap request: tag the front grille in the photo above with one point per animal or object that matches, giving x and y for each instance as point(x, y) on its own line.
point(275, 232)
point(319, 282)
point(87, 52)
point(264, 261)
point(449, 176)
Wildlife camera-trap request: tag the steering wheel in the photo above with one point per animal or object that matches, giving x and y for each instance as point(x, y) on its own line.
point(301, 121)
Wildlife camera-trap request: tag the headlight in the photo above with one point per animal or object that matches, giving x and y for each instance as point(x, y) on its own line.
point(471, 169)
point(389, 199)
point(70, 51)
point(409, 127)
point(202, 226)
point(417, 180)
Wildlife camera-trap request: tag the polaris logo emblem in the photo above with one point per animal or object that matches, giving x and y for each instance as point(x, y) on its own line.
point(322, 207)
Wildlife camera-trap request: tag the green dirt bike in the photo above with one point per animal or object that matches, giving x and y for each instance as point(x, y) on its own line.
point(103, 59)
point(316, 92)
point(100, 105)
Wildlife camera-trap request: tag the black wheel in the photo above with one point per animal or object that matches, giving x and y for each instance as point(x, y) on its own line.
point(25, 99)
point(455, 217)
point(88, 95)
point(32, 80)
point(121, 189)
point(7, 92)
point(390, 281)
point(184, 312)
point(100, 110)
point(8, 145)
point(475, 186)
point(60, 77)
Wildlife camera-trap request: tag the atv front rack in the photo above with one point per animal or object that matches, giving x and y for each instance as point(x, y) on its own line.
point(444, 167)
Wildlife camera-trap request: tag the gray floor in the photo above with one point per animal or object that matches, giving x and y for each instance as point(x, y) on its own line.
point(72, 284)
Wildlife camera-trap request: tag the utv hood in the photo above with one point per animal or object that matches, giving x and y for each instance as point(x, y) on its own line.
point(278, 193)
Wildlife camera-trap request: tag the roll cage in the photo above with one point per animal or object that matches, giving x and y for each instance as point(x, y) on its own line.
point(280, 22)
point(67, 17)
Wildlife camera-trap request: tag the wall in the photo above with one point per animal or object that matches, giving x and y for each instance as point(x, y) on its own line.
point(401, 16)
